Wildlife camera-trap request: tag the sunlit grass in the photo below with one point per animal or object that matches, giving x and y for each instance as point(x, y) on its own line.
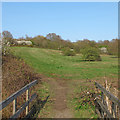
point(53, 64)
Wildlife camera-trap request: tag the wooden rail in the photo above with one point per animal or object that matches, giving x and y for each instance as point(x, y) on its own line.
point(115, 103)
point(13, 98)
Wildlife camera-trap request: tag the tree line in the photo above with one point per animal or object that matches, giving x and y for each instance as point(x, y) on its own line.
point(53, 41)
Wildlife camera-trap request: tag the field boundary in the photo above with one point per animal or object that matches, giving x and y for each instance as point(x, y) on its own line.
point(107, 104)
point(13, 98)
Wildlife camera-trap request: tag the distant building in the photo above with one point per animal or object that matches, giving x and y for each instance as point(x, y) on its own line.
point(103, 50)
point(71, 49)
point(23, 42)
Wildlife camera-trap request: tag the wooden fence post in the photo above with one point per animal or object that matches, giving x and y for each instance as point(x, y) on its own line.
point(13, 99)
point(14, 105)
point(107, 99)
point(111, 101)
point(116, 107)
point(27, 98)
point(107, 88)
point(102, 97)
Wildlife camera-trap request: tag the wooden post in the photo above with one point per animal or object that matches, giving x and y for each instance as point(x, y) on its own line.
point(116, 108)
point(107, 88)
point(107, 99)
point(118, 112)
point(115, 111)
point(27, 98)
point(14, 105)
point(102, 97)
point(112, 108)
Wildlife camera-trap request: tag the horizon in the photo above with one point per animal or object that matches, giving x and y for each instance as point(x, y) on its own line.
point(75, 21)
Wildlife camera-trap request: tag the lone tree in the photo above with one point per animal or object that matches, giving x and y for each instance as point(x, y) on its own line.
point(91, 54)
point(7, 35)
point(53, 37)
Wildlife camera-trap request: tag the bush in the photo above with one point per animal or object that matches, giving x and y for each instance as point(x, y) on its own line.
point(91, 54)
point(5, 47)
point(68, 52)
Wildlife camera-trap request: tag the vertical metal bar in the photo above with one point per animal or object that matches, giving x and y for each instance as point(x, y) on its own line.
point(14, 105)
point(27, 98)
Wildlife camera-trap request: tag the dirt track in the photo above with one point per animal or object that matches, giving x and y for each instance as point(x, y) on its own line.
point(59, 89)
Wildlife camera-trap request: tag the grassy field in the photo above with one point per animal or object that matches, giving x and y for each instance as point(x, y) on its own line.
point(53, 64)
point(79, 74)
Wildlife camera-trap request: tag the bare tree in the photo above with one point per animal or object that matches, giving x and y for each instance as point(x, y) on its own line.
point(53, 37)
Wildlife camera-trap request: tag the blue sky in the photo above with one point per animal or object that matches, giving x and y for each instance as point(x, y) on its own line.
point(71, 20)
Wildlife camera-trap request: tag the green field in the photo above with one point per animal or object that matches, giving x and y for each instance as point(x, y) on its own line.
point(78, 73)
point(53, 64)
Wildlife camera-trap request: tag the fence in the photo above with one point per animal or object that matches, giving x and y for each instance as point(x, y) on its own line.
point(108, 106)
point(13, 98)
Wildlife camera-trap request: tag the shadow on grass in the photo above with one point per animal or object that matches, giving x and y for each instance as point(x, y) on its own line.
point(37, 107)
point(114, 57)
point(79, 60)
point(85, 61)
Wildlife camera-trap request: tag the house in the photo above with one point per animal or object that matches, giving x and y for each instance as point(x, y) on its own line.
point(23, 42)
point(103, 50)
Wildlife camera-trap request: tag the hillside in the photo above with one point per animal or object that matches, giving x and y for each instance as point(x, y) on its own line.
point(15, 74)
point(52, 63)
point(67, 79)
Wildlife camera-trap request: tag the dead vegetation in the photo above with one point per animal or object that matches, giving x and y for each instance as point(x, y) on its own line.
point(15, 75)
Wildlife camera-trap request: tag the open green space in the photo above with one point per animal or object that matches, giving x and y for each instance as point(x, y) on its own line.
point(53, 64)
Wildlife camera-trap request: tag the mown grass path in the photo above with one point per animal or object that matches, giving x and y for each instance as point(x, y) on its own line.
point(64, 72)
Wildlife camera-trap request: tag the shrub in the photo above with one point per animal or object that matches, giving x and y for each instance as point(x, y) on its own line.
point(5, 47)
point(68, 52)
point(91, 54)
